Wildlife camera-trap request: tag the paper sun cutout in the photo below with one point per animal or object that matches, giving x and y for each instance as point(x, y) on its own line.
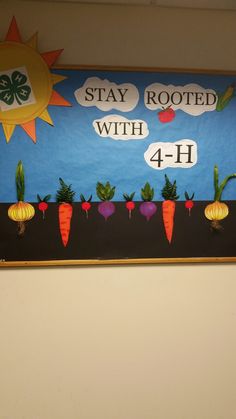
point(26, 84)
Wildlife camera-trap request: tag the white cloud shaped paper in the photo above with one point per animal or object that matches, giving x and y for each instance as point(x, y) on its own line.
point(191, 98)
point(120, 128)
point(106, 95)
point(180, 154)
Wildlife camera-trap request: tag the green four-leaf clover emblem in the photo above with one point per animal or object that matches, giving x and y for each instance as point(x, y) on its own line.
point(13, 88)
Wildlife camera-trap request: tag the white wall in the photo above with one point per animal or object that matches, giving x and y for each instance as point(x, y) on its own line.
point(138, 342)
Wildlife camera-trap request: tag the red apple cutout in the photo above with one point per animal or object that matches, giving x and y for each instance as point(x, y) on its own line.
point(166, 115)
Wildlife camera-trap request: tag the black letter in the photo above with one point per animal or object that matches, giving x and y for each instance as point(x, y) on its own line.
point(150, 96)
point(139, 128)
point(103, 127)
point(88, 93)
point(188, 98)
point(198, 98)
point(214, 97)
point(172, 98)
point(188, 153)
point(111, 95)
point(167, 96)
point(122, 94)
point(100, 89)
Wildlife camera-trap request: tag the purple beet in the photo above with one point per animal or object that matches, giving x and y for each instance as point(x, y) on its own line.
point(105, 193)
point(106, 208)
point(148, 209)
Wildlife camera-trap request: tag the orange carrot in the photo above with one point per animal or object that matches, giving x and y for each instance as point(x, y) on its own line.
point(168, 212)
point(65, 197)
point(65, 214)
point(168, 207)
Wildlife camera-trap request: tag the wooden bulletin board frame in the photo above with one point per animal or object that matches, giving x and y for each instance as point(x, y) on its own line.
point(126, 236)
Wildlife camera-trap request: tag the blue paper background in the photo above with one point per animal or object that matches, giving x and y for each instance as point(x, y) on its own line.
point(72, 149)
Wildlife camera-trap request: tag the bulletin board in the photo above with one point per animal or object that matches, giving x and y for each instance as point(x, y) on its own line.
point(104, 165)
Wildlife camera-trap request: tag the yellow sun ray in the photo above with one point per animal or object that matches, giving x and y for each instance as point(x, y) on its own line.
point(33, 41)
point(8, 131)
point(24, 111)
point(56, 78)
point(46, 117)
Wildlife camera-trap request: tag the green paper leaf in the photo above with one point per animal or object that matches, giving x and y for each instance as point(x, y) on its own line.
point(23, 93)
point(5, 82)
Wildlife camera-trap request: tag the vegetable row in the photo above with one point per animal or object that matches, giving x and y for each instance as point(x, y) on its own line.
point(22, 211)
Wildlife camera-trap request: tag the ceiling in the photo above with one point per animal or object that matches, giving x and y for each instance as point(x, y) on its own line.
point(196, 4)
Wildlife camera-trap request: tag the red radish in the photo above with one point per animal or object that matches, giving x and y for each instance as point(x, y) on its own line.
point(105, 193)
point(189, 202)
point(147, 208)
point(86, 205)
point(130, 205)
point(43, 204)
point(166, 115)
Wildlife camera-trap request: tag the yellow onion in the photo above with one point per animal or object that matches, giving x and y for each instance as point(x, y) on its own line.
point(21, 212)
point(216, 212)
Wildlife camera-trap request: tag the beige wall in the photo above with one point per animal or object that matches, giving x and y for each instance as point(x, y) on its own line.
point(153, 342)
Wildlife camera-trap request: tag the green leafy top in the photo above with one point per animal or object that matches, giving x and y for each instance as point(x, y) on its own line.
point(169, 190)
point(20, 182)
point(188, 197)
point(219, 188)
point(64, 193)
point(147, 193)
point(45, 199)
point(83, 199)
point(129, 197)
point(105, 192)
